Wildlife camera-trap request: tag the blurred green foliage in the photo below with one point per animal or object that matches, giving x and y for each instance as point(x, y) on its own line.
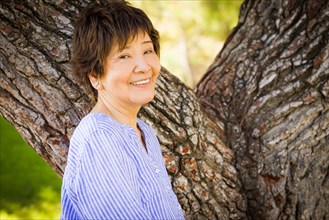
point(29, 188)
point(192, 33)
point(221, 17)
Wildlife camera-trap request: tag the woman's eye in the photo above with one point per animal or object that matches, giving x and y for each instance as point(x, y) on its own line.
point(124, 57)
point(148, 51)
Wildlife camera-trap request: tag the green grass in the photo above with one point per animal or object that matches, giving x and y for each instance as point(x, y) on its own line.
point(29, 188)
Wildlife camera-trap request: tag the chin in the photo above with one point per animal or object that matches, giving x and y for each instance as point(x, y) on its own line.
point(145, 100)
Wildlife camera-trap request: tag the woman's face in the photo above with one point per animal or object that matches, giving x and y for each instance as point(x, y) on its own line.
point(131, 74)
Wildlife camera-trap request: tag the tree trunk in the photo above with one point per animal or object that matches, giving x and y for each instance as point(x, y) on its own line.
point(258, 150)
point(270, 88)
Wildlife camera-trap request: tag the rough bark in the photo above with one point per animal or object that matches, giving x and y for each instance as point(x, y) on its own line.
point(40, 97)
point(259, 146)
point(270, 88)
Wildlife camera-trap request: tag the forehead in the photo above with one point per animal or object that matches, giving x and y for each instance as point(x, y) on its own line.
point(140, 37)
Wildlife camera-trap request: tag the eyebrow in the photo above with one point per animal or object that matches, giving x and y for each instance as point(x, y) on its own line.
point(144, 42)
point(147, 42)
point(127, 47)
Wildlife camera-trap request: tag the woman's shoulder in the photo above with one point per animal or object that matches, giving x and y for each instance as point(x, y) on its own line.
point(94, 131)
point(93, 123)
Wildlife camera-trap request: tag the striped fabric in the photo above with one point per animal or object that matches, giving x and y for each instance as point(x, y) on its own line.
point(109, 175)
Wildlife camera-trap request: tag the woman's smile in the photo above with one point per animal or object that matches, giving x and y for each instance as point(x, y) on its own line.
point(141, 82)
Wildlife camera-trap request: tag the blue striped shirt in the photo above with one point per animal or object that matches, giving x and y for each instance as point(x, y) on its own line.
point(109, 175)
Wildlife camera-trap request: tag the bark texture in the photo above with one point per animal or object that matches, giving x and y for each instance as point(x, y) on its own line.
point(256, 148)
point(270, 88)
point(40, 97)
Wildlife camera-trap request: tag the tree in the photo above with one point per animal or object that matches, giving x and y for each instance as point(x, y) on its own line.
point(251, 142)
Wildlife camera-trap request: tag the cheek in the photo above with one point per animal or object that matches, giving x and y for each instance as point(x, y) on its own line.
point(156, 66)
point(118, 74)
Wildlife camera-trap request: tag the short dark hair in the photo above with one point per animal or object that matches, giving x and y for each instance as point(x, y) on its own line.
point(101, 25)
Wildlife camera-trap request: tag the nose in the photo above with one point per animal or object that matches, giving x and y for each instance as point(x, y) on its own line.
point(142, 66)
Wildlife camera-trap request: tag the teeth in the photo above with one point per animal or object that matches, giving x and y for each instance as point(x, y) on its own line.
point(141, 82)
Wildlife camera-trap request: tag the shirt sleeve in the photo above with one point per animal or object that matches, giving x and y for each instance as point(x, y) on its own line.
point(106, 183)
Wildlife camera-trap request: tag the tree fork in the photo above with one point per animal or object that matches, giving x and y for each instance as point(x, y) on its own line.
point(40, 97)
point(257, 145)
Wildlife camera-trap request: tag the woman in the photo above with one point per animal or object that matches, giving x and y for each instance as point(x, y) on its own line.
point(115, 168)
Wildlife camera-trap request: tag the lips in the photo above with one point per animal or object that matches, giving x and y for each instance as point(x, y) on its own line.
point(141, 82)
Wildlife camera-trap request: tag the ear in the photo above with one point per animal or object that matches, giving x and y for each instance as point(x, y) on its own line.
point(94, 80)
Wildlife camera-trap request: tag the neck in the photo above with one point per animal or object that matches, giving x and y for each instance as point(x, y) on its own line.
point(125, 115)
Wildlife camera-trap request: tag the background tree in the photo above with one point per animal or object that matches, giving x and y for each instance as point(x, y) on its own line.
point(256, 147)
point(270, 87)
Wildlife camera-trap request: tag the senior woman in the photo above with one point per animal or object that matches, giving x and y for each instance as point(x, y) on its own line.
point(115, 168)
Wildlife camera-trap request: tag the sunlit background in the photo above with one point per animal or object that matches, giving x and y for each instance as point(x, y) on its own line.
point(192, 33)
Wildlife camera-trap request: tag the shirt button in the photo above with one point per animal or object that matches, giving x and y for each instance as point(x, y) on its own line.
point(157, 170)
